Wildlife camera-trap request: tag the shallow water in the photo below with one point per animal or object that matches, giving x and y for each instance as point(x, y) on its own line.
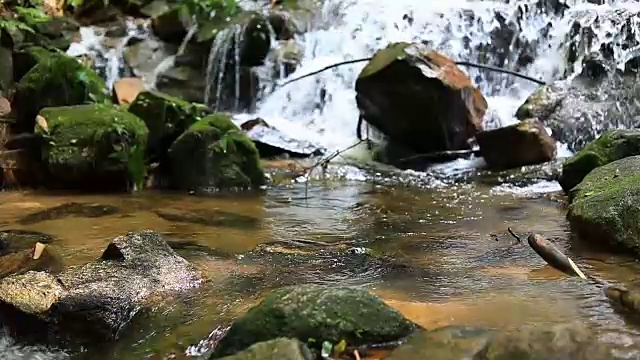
point(455, 271)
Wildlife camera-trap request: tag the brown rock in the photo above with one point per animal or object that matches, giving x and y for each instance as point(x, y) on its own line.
point(5, 107)
point(126, 90)
point(420, 99)
point(19, 168)
point(524, 143)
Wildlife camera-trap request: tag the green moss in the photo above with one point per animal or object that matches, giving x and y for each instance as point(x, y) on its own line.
point(57, 80)
point(314, 314)
point(610, 146)
point(214, 154)
point(382, 58)
point(605, 206)
point(88, 141)
point(167, 117)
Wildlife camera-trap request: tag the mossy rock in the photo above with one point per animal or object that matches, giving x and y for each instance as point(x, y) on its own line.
point(92, 146)
point(214, 154)
point(167, 117)
point(57, 80)
point(384, 57)
point(276, 349)
point(610, 146)
point(26, 58)
point(315, 314)
point(605, 206)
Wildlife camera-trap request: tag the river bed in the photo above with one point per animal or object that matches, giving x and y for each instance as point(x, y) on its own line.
point(459, 265)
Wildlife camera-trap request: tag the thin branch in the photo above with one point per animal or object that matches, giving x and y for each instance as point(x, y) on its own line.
point(461, 63)
point(514, 235)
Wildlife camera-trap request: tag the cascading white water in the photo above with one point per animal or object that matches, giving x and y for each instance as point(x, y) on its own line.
point(357, 28)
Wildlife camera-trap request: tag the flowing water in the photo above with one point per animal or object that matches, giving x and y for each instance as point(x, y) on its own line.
point(447, 267)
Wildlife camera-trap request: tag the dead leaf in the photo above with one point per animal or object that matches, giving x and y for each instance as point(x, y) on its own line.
point(42, 123)
point(37, 250)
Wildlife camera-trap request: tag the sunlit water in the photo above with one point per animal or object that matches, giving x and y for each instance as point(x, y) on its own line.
point(444, 265)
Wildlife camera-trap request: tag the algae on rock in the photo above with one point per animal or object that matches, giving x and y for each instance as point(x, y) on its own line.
point(166, 117)
point(315, 314)
point(605, 206)
point(57, 80)
point(93, 146)
point(610, 146)
point(214, 154)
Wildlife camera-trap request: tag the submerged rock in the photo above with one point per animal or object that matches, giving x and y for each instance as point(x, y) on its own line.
point(166, 118)
point(555, 342)
point(213, 217)
point(72, 209)
point(605, 206)
point(315, 314)
point(276, 349)
point(18, 255)
point(97, 301)
point(524, 143)
point(214, 154)
point(610, 146)
point(419, 98)
point(57, 80)
point(92, 147)
point(626, 299)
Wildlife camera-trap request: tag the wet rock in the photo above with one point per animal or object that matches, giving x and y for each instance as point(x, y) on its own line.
point(6, 70)
point(420, 99)
point(579, 109)
point(213, 154)
point(126, 90)
point(169, 22)
point(524, 143)
point(626, 299)
point(67, 210)
point(97, 301)
point(610, 146)
point(606, 204)
point(20, 168)
point(184, 82)
point(99, 147)
point(520, 177)
point(276, 349)
point(309, 312)
point(11, 240)
point(166, 118)
point(447, 343)
point(41, 87)
point(145, 56)
point(215, 218)
point(273, 143)
point(25, 59)
point(5, 107)
point(555, 342)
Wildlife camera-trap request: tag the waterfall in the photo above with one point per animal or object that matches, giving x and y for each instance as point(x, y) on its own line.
point(322, 108)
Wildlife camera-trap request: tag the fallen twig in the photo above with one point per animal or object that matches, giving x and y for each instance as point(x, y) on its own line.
point(356, 354)
point(461, 63)
point(514, 235)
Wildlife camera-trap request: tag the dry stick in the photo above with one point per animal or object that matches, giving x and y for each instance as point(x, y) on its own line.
point(514, 235)
point(462, 63)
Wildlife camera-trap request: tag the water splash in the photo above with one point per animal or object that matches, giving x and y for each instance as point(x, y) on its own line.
point(106, 53)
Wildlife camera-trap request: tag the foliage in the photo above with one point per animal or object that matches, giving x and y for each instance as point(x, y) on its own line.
point(20, 18)
point(209, 9)
point(131, 155)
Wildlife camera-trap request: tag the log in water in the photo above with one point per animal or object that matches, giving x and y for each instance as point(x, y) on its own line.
point(553, 256)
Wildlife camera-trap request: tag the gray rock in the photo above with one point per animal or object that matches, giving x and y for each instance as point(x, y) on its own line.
point(276, 349)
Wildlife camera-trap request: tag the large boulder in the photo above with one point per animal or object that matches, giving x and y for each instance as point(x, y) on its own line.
point(420, 98)
point(57, 80)
point(520, 144)
point(601, 97)
point(610, 146)
point(315, 314)
point(97, 301)
point(214, 154)
point(556, 342)
point(605, 206)
point(99, 147)
point(166, 118)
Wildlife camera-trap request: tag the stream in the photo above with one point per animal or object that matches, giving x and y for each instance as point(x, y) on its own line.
point(459, 264)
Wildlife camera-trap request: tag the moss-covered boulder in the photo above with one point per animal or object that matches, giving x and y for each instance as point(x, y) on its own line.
point(610, 146)
point(57, 80)
point(214, 154)
point(605, 206)
point(166, 117)
point(26, 58)
point(315, 314)
point(94, 146)
point(276, 349)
